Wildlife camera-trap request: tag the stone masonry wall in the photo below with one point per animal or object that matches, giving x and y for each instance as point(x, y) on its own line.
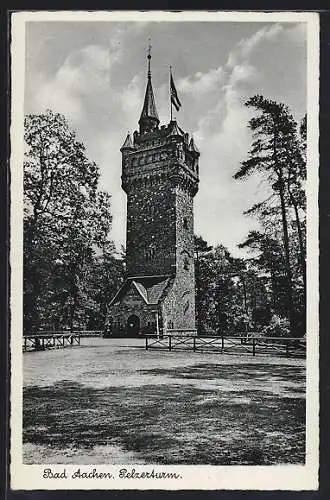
point(179, 305)
point(132, 303)
point(151, 229)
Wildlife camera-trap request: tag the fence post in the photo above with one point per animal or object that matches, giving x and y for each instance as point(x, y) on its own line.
point(253, 346)
point(146, 343)
point(194, 348)
point(287, 349)
point(170, 343)
point(222, 343)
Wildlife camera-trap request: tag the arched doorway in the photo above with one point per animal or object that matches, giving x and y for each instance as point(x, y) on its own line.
point(133, 326)
point(108, 327)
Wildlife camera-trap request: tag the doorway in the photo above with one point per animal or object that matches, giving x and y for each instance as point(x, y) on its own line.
point(133, 326)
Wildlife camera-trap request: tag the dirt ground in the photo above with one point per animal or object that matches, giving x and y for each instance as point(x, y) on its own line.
point(112, 402)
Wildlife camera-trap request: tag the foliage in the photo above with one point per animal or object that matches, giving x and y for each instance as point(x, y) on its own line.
point(71, 270)
point(278, 156)
point(223, 291)
point(278, 327)
point(266, 291)
point(66, 225)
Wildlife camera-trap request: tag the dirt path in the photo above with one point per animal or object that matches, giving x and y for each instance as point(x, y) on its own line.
point(110, 401)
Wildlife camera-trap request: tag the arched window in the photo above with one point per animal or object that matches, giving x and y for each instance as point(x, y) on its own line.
point(185, 223)
point(186, 263)
point(149, 253)
point(150, 211)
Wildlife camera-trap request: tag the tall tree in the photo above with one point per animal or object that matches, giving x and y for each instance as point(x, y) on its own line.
point(223, 291)
point(201, 250)
point(66, 223)
point(107, 277)
point(268, 262)
point(295, 183)
point(275, 154)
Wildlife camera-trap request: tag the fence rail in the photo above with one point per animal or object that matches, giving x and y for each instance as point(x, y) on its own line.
point(281, 346)
point(82, 333)
point(44, 341)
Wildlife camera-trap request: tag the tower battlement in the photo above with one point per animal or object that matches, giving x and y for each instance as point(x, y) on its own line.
point(163, 153)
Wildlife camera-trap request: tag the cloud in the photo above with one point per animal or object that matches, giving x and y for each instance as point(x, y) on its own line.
point(84, 73)
point(131, 97)
point(94, 88)
point(86, 70)
point(297, 33)
point(246, 46)
point(201, 83)
point(60, 99)
point(224, 139)
point(242, 73)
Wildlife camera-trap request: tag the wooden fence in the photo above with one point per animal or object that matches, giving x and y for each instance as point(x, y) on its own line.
point(50, 340)
point(281, 346)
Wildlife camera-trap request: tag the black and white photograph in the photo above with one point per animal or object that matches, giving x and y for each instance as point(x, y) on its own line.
point(164, 273)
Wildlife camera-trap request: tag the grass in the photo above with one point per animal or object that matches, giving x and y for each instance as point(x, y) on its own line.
point(205, 412)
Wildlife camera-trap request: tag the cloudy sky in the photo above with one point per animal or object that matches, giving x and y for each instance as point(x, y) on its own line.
point(95, 74)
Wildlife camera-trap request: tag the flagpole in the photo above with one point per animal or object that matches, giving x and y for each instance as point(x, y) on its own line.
point(170, 92)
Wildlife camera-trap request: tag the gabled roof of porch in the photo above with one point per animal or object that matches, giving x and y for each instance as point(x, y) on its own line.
point(150, 288)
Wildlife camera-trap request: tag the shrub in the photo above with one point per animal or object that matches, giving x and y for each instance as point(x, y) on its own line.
point(277, 327)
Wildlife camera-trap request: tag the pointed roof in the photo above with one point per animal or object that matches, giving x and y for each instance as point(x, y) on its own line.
point(150, 288)
point(192, 146)
point(156, 290)
point(149, 107)
point(175, 130)
point(141, 289)
point(149, 117)
point(128, 144)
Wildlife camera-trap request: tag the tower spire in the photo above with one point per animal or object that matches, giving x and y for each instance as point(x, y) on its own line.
point(149, 117)
point(149, 59)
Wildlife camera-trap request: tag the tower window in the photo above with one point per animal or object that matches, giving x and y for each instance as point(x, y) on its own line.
point(186, 307)
point(185, 223)
point(150, 211)
point(149, 253)
point(186, 263)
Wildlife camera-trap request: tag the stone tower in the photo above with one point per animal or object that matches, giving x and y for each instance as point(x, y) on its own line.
point(160, 177)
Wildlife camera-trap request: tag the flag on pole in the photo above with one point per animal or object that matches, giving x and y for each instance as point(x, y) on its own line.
point(174, 95)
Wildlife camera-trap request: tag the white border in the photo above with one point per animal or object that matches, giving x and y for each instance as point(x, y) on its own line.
point(290, 477)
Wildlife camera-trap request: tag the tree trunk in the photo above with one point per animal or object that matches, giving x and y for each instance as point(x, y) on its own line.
point(31, 276)
point(198, 295)
point(73, 298)
point(301, 241)
point(286, 250)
